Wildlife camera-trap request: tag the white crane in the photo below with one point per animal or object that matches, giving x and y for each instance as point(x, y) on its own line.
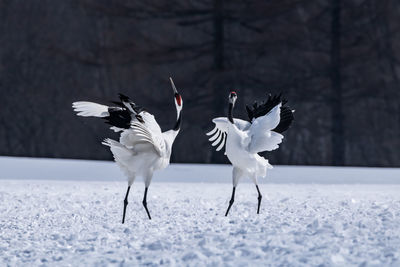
point(142, 147)
point(243, 140)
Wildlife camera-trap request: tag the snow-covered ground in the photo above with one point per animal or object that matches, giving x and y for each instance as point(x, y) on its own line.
point(75, 221)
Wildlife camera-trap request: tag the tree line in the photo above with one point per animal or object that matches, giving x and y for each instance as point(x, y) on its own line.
point(336, 61)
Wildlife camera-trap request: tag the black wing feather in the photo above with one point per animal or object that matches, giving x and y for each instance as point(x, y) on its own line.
point(258, 110)
point(127, 100)
point(286, 120)
point(121, 116)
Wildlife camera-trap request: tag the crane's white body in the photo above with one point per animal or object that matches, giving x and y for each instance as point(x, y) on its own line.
point(142, 148)
point(244, 140)
point(247, 164)
point(138, 156)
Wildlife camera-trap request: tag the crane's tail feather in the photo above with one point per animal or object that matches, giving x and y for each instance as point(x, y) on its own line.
point(120, 152)
point(122, 155)
point(90, 109)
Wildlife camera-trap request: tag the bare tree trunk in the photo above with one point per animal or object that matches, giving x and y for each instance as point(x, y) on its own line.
point(391, 57)
point(338, 141)
point(219, 35)
point(219, 65)
point(219, 54)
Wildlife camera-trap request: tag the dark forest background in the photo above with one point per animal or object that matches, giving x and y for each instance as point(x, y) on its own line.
point(336, 61)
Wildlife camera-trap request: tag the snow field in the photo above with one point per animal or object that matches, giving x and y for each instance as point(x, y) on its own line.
point(71, 223)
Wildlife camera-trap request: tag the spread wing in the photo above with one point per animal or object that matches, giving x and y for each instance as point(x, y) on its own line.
point(266, 141)
point(119, 117)
point(144, 130)
point(262, 138)
point(90, 109)
point(218, 134)
point(260, 109)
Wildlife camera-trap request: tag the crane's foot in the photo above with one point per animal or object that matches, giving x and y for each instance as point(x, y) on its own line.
point(259, 199)
point(231, 201)
point(145, 203)
point(125, 204)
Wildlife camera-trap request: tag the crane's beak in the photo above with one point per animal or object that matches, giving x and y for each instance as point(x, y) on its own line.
point(173, 86)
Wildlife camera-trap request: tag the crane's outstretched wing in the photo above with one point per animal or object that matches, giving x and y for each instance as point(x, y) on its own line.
point(266, 141)
point(119, 117)
point(218, 134)
point(90, 109)
point(267, 122)
point(144, 130)
point(286, 119)
point(269, 119)
point(260, 134)
point(258, 110)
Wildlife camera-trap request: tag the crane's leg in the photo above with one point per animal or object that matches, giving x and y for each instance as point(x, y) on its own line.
point(254, 178)
point(231, 201)
point(125, 203)
point(236, 174)
point(259, 199)
point(145, 202)
point(147, 182)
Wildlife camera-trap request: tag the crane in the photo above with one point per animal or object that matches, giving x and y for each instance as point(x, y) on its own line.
point(142, 147)
point(243, 140)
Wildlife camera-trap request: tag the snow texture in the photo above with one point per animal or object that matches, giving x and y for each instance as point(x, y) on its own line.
point(77, 223)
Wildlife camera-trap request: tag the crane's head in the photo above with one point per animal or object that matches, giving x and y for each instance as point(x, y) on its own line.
point(232, 97)
point(177, 96)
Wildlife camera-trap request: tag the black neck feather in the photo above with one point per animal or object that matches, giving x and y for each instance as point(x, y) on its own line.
point(178, 122)
point(230, 112)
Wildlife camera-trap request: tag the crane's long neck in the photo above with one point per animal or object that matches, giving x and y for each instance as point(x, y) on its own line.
point(230, 118)
point(170, 135)
point(178, 123)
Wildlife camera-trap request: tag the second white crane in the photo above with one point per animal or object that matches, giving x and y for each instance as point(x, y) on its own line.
point(243, 140)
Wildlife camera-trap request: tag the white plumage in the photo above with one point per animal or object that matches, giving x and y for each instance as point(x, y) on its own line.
point(142, 148)
point(243, 141)
point(90, 109)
